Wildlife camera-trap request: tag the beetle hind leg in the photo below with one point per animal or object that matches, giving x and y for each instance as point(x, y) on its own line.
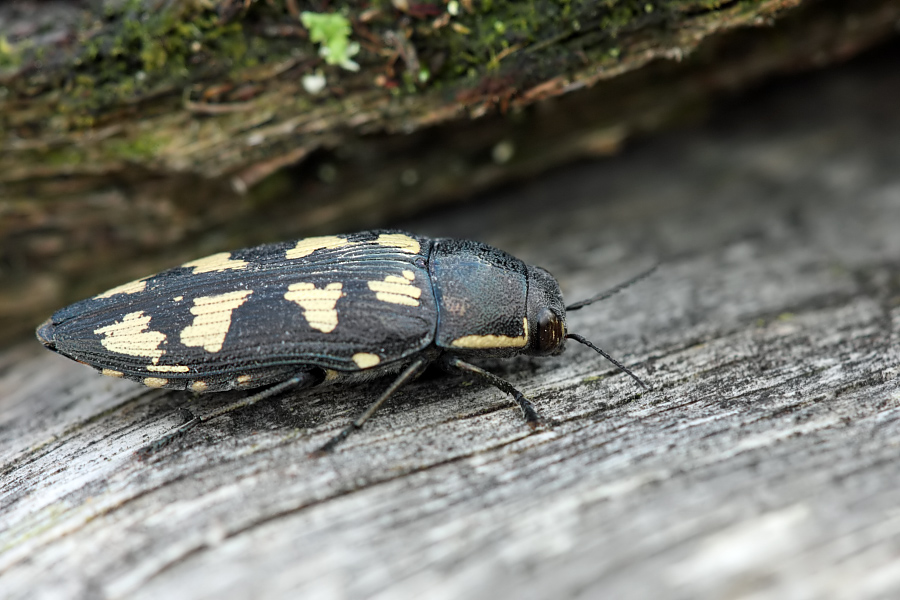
point(528, 411)
point(303, 379)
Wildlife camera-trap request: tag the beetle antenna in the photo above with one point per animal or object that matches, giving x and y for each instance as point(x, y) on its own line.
point(621, 367)
point(613, 291)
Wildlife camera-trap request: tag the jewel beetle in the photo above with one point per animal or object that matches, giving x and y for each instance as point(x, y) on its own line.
point(321, 310)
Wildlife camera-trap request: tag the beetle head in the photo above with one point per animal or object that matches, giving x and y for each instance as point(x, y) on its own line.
point(546, 313)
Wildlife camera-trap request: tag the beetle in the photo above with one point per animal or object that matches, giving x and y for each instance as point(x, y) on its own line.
point(321, 310)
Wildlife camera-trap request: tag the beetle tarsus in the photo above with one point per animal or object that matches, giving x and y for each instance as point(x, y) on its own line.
point(528, 411)
point(331, 444)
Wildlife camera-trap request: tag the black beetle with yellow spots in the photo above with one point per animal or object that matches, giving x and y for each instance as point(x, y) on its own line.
point(320, 310)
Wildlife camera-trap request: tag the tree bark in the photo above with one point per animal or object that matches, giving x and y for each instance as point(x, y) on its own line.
point(141, 134)
point(762, 463)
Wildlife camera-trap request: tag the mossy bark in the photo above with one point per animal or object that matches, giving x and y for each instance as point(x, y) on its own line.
point(138, 134)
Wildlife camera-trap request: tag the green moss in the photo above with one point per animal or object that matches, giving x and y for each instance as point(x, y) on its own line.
point(141, 51)
point(138, 149)
point(10, 55)
point(502, 37)
point(332, 32)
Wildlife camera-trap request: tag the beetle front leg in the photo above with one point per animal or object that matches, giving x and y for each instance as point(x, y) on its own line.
point(531, 415)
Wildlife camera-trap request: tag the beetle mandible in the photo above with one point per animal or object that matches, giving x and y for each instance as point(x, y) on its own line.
point(321, 310)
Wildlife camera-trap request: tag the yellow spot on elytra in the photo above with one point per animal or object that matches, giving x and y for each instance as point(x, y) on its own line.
point(318, 305)
point(493, 341)
point(112, 373)
point(178, 298)
point(307, 246)
point(364, 360)
point(244, 379)
point(397, 290)
point(199, 386)
point(132, 336)
point(168, 368)
point(132, 287)
point(401, 242)
point(212, 319)
point(215, 263)
point(155, 382)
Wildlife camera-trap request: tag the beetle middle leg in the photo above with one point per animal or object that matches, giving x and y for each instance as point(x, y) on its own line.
point(410, 373)
point(528, 411)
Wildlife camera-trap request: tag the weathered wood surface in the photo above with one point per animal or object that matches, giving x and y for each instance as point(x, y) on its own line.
point(763, 464)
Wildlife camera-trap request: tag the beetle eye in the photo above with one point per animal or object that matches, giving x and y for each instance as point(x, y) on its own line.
point(550, 331)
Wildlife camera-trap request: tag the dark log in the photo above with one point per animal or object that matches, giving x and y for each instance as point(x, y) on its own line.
point(139, 134)
point(763, 463)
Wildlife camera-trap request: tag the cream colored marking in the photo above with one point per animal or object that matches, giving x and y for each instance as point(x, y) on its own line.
point(318, 305)
point(331, 374)
point(178, 298)
point(401, 242)
point(397, 290)
point(212, 319)
point(199, 386)
point(132, 336)
point(112, 373)
point(493, 341)
point(132, 287)
point(364, 360)
point(217, 262)
point(307, 246)
point(168, 368)
point(409, 274)
point(244, 379)
point(155, 382)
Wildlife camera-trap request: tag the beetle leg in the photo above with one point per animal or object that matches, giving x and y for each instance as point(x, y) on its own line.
point(411, 372)
point(301, 380)
point(531, 416)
